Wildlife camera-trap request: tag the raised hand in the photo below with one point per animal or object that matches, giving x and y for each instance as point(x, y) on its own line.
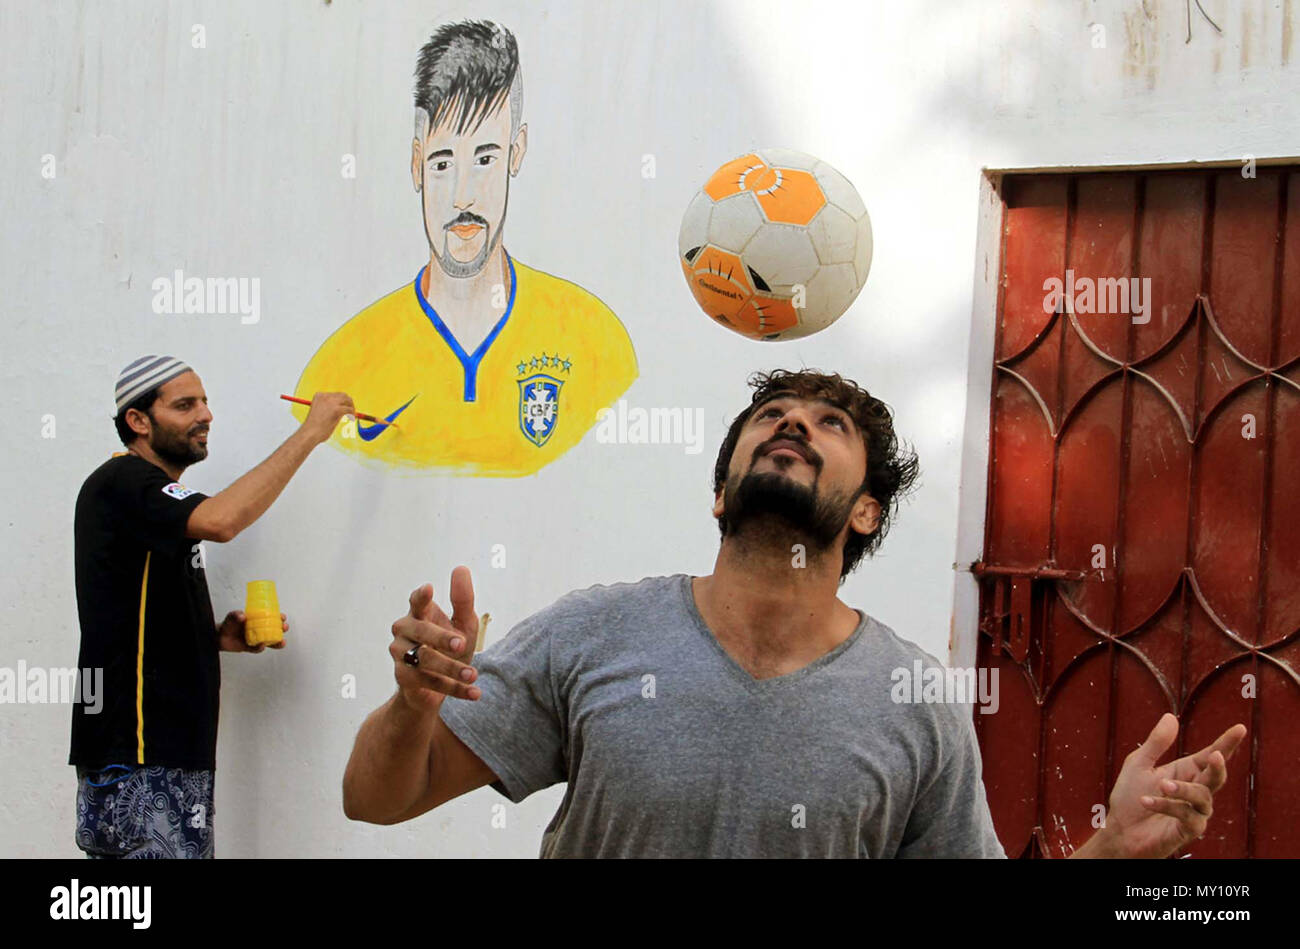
point(431, 652)
point(1155, 811)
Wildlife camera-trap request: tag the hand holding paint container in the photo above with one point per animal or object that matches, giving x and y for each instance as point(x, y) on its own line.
point(262, 623)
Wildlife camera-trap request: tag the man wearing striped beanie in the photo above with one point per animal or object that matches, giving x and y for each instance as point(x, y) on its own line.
point(145, 752)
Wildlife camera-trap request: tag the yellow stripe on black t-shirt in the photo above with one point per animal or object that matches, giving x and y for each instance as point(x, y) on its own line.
point(139, 666)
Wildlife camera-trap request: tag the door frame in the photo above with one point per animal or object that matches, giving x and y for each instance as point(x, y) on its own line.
point(972, 492)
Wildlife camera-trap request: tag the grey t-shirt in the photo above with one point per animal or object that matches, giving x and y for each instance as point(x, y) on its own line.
point(671, 749)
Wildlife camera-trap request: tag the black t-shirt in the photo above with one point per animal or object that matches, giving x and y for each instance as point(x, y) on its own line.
point(146, 620)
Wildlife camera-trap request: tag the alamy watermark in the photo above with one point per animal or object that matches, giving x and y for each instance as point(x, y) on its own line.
point(940, 685)
point(55, 686)
point(211, 295)
point(74, 901)
point(621, 425)
point(1122, 295)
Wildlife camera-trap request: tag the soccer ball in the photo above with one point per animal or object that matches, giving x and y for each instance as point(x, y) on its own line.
point(776, 245)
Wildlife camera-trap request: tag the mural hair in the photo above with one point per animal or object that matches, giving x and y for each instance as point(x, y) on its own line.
point(465, 72)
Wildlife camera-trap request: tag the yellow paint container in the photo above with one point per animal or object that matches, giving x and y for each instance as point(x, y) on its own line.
point(262, 623)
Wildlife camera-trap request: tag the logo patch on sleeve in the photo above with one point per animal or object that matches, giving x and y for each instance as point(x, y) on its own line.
point(177, 490)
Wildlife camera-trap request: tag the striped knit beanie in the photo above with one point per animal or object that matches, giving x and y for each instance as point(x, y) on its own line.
point(147, 372)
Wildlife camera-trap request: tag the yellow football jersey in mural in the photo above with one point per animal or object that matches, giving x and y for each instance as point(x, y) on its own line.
point(525, 396)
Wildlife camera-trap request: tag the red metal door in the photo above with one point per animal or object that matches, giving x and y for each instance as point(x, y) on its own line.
point(1142, 539)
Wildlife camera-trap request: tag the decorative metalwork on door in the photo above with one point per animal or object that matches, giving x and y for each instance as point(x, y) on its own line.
point(1142, 540)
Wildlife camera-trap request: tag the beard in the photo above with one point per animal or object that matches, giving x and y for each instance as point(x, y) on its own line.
point(177, 448)
point(469, 268)
point(770, 505)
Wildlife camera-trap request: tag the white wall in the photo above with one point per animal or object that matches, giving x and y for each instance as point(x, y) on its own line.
point(226, 161)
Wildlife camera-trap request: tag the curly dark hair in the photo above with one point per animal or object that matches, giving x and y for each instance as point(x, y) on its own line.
point(891, 470)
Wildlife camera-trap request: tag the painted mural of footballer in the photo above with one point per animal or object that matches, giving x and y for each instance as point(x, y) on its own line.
point(490, 367)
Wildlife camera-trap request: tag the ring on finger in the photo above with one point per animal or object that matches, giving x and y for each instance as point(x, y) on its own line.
point(412, 656)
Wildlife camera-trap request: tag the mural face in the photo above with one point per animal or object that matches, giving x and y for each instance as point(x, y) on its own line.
point(464, 182)
point(495, 368)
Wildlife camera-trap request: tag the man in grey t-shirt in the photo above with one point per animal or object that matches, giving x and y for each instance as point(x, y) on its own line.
point(671, 748)
point(743, 714)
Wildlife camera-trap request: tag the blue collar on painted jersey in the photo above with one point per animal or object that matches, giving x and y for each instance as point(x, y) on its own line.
point(468, 362)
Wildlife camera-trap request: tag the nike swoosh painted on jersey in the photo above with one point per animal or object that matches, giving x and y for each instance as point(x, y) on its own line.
point(369, 433)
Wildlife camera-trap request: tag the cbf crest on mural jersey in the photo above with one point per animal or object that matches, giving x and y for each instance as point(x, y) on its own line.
point(539, 407)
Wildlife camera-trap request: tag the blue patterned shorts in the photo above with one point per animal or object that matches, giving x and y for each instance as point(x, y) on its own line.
point(144, 812)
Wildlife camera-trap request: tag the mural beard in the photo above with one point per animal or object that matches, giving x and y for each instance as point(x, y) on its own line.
point(175, 448)
point(470, 268)
point(769, 505)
